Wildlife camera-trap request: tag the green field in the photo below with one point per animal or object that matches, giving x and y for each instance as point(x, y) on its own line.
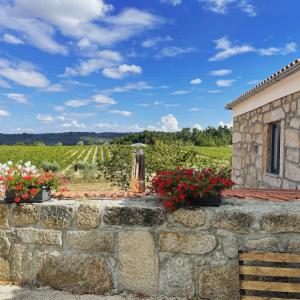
point(112, 163)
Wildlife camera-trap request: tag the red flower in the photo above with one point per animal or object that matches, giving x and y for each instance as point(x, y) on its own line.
point(168, 203)
point(182, 196)
point(34, 191)
point(19, 187)
point(25, 196)
point(17, 199)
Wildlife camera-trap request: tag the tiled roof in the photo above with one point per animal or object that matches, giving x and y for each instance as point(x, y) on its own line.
point(288, 69)
point(263, 194)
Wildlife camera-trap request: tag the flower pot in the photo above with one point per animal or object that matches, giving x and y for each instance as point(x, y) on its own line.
point(206, 201)
point(44, 195)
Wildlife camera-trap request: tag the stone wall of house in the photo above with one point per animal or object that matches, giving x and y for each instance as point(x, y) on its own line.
point(250, 136)
point(103, 247)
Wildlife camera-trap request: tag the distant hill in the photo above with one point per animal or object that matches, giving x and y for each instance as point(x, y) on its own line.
point(66, 138)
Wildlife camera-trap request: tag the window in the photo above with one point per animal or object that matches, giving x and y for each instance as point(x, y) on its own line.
point(274, 149)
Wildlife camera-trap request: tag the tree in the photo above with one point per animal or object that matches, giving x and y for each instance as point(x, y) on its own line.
point(80, 143)
point(39, 143)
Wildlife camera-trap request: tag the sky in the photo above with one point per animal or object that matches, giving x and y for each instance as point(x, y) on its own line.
point(131, 65)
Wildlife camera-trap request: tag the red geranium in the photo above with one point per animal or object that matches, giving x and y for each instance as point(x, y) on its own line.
point(26, 184)
point(177, 188)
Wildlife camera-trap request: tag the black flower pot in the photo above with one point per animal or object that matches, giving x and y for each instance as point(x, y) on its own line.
point(44, 195)
point(206, 201)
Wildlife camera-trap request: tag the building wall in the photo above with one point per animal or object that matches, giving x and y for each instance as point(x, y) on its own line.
point(101, 247)
point(250, 145)
point(280, 88)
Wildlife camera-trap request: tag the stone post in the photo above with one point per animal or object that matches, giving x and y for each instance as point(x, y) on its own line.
point(138, 172)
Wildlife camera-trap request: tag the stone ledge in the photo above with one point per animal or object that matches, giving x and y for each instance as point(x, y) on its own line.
point(101, 246)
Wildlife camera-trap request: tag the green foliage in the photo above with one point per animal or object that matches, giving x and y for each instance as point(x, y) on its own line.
point(79, 165)
point(80, 143)
point(158, 157)
point(50, 166)
point(210, 136)
point(39, 143)
point(114, 161)
point(117, 169)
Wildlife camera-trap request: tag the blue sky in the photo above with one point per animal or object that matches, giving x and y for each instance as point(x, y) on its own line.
point(132, 65)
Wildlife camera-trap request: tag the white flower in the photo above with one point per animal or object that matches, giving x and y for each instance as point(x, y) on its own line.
point(10, 163)
point(27, 164)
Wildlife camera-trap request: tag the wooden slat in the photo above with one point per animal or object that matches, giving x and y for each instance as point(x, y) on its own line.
point(271, 257)
point(270, 286)
point(262, 298)
point(269, 271)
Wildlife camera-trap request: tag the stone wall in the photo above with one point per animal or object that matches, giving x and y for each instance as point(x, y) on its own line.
point(250, 139)
point(101, 247)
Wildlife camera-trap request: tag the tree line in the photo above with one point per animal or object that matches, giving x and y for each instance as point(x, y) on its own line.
point(211, 136)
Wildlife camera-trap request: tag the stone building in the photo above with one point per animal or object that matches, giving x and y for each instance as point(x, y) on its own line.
point(266, 138)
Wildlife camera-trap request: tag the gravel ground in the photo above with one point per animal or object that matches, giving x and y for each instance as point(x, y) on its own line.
point(14, 292)
point(9, 292)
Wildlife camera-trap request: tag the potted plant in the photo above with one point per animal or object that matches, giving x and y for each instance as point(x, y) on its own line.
point(190, 187)
point(23, 183)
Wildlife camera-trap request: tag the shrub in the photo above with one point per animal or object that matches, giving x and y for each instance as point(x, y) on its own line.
point(79, 165)
point(50, 166)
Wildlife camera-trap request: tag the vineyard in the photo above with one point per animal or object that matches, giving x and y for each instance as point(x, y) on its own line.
point(112, 163)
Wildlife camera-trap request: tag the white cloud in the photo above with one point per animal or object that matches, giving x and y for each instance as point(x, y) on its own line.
point(4, 84)
point(155, 41)
point(255, 81)
point(123, 113)
point(174, 51)
point(73, 124)
point(59, 108)
point(76, 103)
point(223, 6)
point(136, 86)
point(287, 49)
point(76, 115)
point(55, 88)
point(181, 92)
point(101, 60)
point(214, 92)
point(118, 127)
point(290, 48)
point(103, 100)
point(130, 69)
point(196, 81)
point(169, 123)
point(119, 73)
point(247, 8)
point(228, 50)
point(81, 20)
point(11, 39)
point(172, 2)
point(4, 113)
point(197, 126)
point(194, 109)
point(22, 73)
point(225, 82)
point(221, 72)
point(45, 118)
point(223, 124)
point(19, 98)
